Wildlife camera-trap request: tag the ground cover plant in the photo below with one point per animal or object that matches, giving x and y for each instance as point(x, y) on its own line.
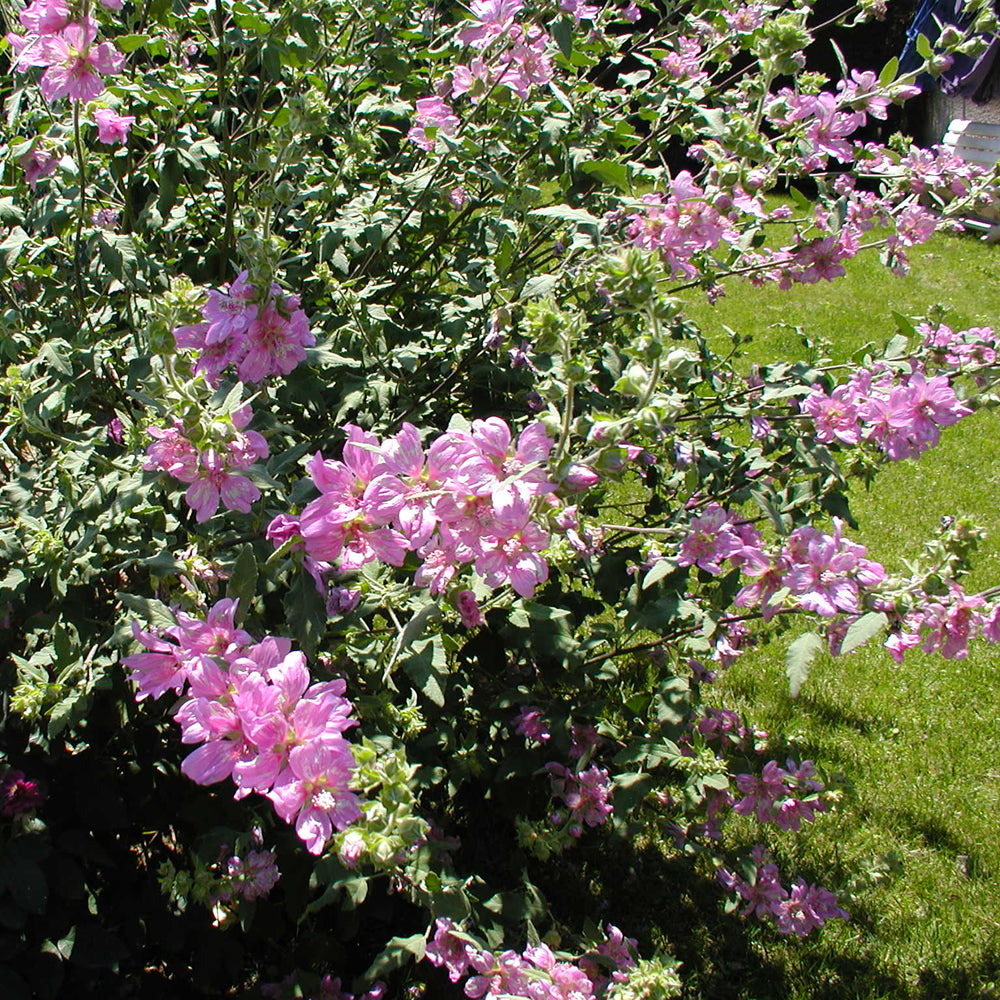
point(377, 520)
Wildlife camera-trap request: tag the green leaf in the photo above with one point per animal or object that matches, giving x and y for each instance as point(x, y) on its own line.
point(538, 285)
point(889, 71)
point(118, 254)
point(609, 171)
point(629, 791)
point(306, 613)
point(672, 702)
point(799, 658)
point(395, 954)
point(29, 888)
point(659, 569)
point(924, 46)
point(426, 668)
point(866, 627)
point(129, 43)
point(562, 32)
point(564, 213)
point(803, 203)
point(716, 120)
point(11, 247)
point(242, 584)
point(152, 612)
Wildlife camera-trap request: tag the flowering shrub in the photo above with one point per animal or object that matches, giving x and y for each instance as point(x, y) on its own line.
point(367, 487)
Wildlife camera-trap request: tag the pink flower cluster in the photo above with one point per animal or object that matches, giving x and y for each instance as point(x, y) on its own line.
point(584, 794)
point(715, 535)
point(967, 349)
point(260, 332)
point(519, 57)
point(901, 415)
point(939, 171)
point(467, 500)
point(257, 717)
point(212, 468)
point(825, 573)
point(680, 225)
point(74, 62)
point(798, 910)
point(772, 797)
point(945, 623)
point(724, 725)
point(535, 974)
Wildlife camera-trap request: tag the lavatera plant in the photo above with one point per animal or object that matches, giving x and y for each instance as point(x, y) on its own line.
point(375, 519)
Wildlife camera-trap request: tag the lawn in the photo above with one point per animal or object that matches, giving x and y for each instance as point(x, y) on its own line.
point(913, 847)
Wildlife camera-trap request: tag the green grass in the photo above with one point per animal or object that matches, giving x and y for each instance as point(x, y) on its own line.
point(916, 842)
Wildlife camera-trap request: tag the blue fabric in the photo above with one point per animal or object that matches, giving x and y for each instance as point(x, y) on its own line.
point(968, 76)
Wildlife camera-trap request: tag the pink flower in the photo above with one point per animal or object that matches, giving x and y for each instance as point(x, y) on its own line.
point(112, 127)
point(18, 795)
point(468, 609)
point(436, 113)
point(38, 163)
point(45, 17)
point(75, 64)
point(313, 790)
point(496, 18)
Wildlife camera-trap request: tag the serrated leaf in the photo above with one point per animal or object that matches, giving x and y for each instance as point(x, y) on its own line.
point(118, 254)
point(799, 658)
point(562, 32)
point(866, 627)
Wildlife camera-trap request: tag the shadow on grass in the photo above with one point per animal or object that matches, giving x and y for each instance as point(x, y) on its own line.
point(666, 904)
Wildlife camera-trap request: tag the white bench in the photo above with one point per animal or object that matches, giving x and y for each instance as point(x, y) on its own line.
point(979, 143)
point(975, 142)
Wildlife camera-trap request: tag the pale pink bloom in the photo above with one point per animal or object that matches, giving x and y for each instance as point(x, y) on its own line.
point(836, 417)
point(112, 127)
point(38, 163)
point(215, 483)
point(436, 113)
point(496, 18)
point(45, 17)
point(472, 79)
point(75, 64)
